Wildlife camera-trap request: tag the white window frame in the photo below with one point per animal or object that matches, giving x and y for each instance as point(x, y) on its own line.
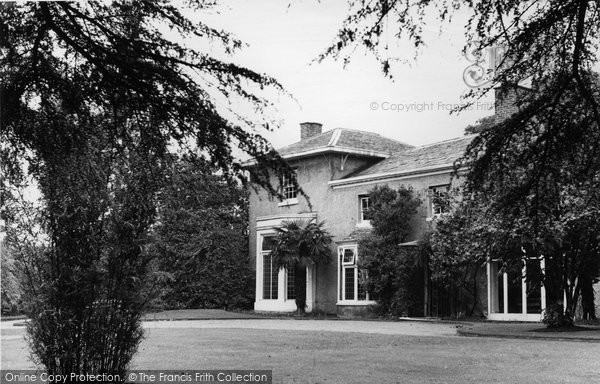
point(265, 226)
point(343, 256)
point(493, 267)
point(289, 190)
point(432, 191)
point(361, 212)
point(341, 288)
point(275, 274)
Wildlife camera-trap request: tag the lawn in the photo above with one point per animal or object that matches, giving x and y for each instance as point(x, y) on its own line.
point(331, 357)
point(317, 356)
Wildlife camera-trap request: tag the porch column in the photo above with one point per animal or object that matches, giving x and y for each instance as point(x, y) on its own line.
point(490, 308)
point(542, 287)
point(524, 289)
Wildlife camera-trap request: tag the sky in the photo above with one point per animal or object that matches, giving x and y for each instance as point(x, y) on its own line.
point(284, 38)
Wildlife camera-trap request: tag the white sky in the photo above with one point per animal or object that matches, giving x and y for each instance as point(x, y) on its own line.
point(283, 42)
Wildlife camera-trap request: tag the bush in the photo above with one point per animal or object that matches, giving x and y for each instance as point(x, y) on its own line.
point(201, 241)
point(394, 274)
point(555, 317)
point(394, 277)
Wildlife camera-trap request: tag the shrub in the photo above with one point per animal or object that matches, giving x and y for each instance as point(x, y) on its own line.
point(394, 274)
point(394, 279)
point(201, 241)
point(555, 317)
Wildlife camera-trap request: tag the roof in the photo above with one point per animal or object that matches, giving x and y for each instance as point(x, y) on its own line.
point(346, 141)
point(415, 160)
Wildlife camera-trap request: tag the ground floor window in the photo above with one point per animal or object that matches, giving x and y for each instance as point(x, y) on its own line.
point(511, 295)
point(350, 277)
point(270, 273)
point(290, 278)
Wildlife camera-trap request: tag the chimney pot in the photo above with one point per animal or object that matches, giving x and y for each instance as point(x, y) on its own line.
point(308, 130)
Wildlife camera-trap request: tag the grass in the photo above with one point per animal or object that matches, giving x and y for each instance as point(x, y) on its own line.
point(327, 357)
point(339, 357)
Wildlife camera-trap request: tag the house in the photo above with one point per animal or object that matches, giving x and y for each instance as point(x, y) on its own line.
point(336, 169)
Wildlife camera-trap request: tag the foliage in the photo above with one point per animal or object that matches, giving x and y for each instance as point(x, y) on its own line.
point(201, 240)
point(298, 244)
point(391, 212)
point(394, 273)
point(457, 246)
point(555, 317)
point(11, 290)
point(536, 170)
point(578, 258)
point(462, 241)
point(20, 244)
point(120, 56)
point(537, 39)
point(93, 97)
point(86, 293)
point(480, 125)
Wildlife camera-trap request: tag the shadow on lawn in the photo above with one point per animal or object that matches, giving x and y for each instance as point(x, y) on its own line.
point(574, 328)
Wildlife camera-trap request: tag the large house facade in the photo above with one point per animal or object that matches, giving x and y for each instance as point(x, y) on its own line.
point(336, 169)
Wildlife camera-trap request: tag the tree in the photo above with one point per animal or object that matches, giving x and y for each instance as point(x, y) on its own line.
point(457, 245)
point(480, 125)
point(201, 239)
point(11, 291)
point(565, 237)
point(297, 245)
point(393, 272)
point(122, 59)
point(93, 95)
point(538, 40)
point(524, 168)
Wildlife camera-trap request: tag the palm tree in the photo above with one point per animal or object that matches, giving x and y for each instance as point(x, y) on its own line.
point(298, 244)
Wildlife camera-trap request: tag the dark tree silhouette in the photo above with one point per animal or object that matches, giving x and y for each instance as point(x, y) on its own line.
point(93, 96)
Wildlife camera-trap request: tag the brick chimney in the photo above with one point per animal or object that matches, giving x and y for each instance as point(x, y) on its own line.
point(506, 101)
point(308, 130)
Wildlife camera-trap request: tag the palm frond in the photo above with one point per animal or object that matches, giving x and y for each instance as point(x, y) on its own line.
point(298, 241)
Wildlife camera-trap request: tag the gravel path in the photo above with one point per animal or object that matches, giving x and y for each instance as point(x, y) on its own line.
point(354, 326)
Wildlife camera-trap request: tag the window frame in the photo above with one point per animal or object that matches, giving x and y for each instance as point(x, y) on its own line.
point(274, 285)
point(432, 191)
point(288, 189)
point(290, 276)
point(343, 256)
point(361, 210)
point(341, 272)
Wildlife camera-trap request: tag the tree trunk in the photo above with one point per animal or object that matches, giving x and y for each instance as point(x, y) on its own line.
point(587, 300)
point(300, 287)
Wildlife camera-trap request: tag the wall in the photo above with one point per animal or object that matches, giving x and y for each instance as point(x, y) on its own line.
point(338, 207)
point(313, 174)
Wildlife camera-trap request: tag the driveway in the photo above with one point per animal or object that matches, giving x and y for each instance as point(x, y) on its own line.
point(340, 351)
point(407, 328)
point(15, 353)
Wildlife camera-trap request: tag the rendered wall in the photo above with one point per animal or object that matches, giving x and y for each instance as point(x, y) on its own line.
point(338, 207)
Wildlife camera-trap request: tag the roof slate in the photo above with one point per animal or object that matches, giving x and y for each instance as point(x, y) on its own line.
point(427, 156)
point(348, 139)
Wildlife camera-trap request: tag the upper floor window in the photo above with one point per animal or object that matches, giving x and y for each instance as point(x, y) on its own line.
point(288, 188)
point(439, 199)
point(365, 204)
